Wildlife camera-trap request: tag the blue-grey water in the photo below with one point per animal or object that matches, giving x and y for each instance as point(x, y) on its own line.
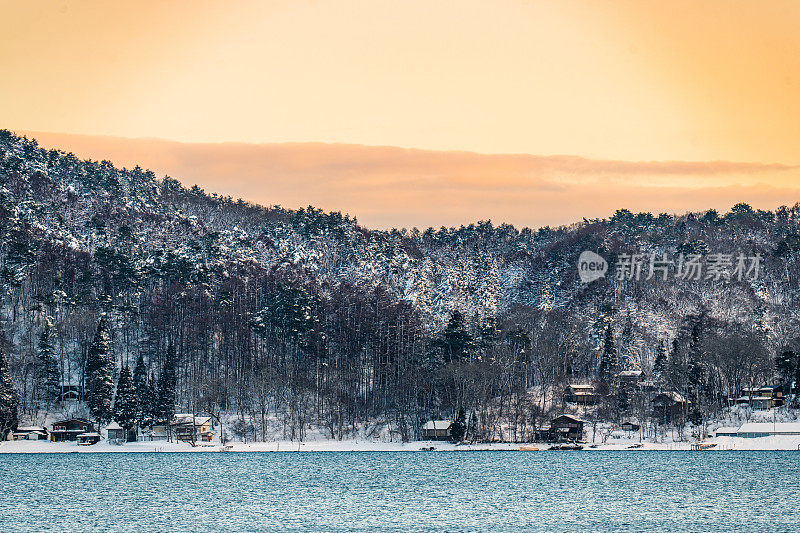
point(382, 491)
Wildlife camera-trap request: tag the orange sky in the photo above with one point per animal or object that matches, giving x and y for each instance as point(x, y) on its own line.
point(619, 81)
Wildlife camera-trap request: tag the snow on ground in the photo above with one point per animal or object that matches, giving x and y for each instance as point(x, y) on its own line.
point(721, 444)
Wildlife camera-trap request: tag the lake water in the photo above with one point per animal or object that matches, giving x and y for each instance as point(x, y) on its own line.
point(383, 491)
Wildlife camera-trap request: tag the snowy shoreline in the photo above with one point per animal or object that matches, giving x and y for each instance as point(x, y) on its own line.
point(720, 444)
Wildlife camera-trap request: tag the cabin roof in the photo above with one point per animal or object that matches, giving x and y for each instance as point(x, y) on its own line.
point(30, 428)
point(114, 425)
point(66, 420)
point(571, 417)
point(437, 425)
point(672, 395)
point(186, 419)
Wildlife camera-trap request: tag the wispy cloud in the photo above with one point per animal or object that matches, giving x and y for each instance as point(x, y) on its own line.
point(390, 186)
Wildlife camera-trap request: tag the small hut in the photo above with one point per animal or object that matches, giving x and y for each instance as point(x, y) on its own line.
point(29, 433)
point(436, 430)
point(629, 426)
point(119, 434)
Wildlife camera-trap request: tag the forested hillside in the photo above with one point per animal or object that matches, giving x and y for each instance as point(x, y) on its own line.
point(137, 288)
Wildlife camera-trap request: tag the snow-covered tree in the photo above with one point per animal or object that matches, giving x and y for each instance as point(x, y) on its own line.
point(140, 389)
point(125, 400)
point(48, 375)
point(100, 373)
point(608, 357)
point(9, 401)
point(165, 406)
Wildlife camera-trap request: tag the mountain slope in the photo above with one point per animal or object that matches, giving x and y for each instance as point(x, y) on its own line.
point(285, 303)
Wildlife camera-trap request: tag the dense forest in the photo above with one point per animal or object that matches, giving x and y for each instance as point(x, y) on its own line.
point(148, 297)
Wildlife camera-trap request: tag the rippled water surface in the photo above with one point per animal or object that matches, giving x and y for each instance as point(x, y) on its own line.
point(382, 491)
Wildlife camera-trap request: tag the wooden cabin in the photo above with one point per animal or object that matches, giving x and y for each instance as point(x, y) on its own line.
point(70, 393)
point(762, 398)
point(630, 426)
point(727, 432)
point(154, 432)
point(436, 430)
point(190, 428)
point(566, 428)
point(630, 377)
point(68, 430)
point(581, 394)
point(29, 433)
point(669, 406)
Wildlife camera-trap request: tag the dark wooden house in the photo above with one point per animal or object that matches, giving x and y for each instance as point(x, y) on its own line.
point(630, 426)
point(191, 428)
point(68, 430)
point(581, 394)
point(436, 430)
point(70, 393)
point(763, 398)
point(566, 428)
point(669, 407)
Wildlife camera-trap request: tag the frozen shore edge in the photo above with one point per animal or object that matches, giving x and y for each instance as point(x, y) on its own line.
point(720, 444)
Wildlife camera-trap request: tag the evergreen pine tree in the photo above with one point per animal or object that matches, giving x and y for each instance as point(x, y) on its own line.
point(459, 426)
point(625, 357)
point(125, 401)
point(166, 387)
point(149, 409)
point(660, 364)
point(608, 359)
point(785, 363)
point(623, 400)
point(8, 401)
point(456, 341)
point(140, 389)
point(100, 374)
point(48, 375)
point(489, 335)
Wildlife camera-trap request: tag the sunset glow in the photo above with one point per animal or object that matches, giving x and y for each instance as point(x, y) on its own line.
point(628, 82)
